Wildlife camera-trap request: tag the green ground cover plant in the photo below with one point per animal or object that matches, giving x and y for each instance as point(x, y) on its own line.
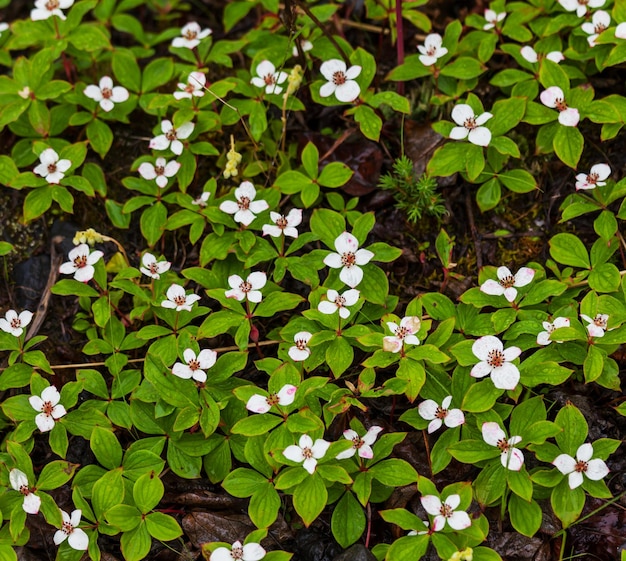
point(233, 302)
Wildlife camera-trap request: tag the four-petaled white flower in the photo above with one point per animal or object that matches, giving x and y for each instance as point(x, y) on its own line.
point(263, 403)
point(249, 289)
point(192, 34)
point(362, 446)
point(162, 171)
point(245, 208)
point(305, 46)
point(105, 94)
point(69, 531)
point(195, 365)
point(193, 88)
point(581, 6)
point(595, 178)
point(153, 268)
point(470, 125)
point(171, 137)
point(574, 468)
point(403, 333)
point(336, 302)
point(597, 325)
point(600, 21)
point(620, 31)
point(19, 482)
point(510, 457)
point(49, 406)
point(284, 224)
point(202, 200)
point(554, 98)
point(48, 8)
point(440, 414)
point(340, 80)
point(493, 18)
point(178, 300)
point(445, 512)
point(507, 282)
point(81, 262)
point(14, 323)
point(543, 338)
point(268, 78)
point(238, 552)
point(531, 55)
point(496, 360)
point(300, 351)
point(51, 168)
point(431, 49)
point(348, 258)
point(307, 452)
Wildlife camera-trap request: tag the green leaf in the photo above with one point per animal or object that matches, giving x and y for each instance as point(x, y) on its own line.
point(518, 181)
point(525, 515)
point(157, 73)
point(567, 503)
point(551, 74)
point(506, 115)
point(339, 356)
point(106, 448)
point(277, 302)
point(394, 472)
point(89, 37)
point(55, 474)
point(464, 68)
point(448, 160)
point(124, 517)
point(348, 520)
point(126, 69)
point(335, 174)
point(489, 194)
point(574, 426)
point(309, 498)
point(481, 397)
point(264, 506)
point(136, 543)
point(594, 364)
point(148, 491)
point(568, 145)
point(152, 222)
point(37, 202)
point(256, 425)
point(605, 278)
point(567, 249)
point(108, 491)
point(327, 225)
point(100, 136)
point(369, 123)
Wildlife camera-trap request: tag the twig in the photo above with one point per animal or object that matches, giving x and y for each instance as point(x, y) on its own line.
point(470, 217)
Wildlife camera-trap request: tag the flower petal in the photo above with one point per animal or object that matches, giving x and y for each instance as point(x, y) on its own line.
point(564, 463)
point(596, 470)
point(492, 433)
point(505, 377)
point(492, 287)
point(459, 520)
point(461, 113)
point(294, 453)
point(431, 503)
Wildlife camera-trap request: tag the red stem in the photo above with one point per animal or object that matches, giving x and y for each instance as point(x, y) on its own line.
point(399, 41)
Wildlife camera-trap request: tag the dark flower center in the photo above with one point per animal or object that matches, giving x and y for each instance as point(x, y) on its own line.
point(244, 203)
point(581, 466)
point(245, 286)
point(47, 408)
point(52, 5)
point(495, 358)
point(402, 332)
point(190, 34)
point(180, 300)
point(171, 134)
point(503, 445)
point(24, 490)
point(560, 105)
point(592, 178)
point(67, 528)
point(340, 301)
point(193, 364)
point(357, 442)
point(431, 51)
point(307, 453)
point(52, 168)
point(441, 413)
point(269, 79)
point(15, 323)
point(446, 511)
point(508, 281)
point(301, 344)
point(281, 222)
point(80, 261)
point(470, 123)
point(153, 268)
point(339, 78)
point(159, 170)
point(272, 399)
point(600, 321)
point(107, 93)
point(348, 260)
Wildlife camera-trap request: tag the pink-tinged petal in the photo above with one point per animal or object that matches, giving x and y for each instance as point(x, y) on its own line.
point(550, 96)
point(564, 463)
point(298, 355)
point(320, 448)
point(84, 274)
point(253, 552)
point(171, 169)
point(569, 117)
point(346, 243)
point(561, 322)
point(555, 56)
point(575, 479)
point(511, 353)
point(290, 232)
point(481, 370)
point(459, 520)
point(459, 133)
point(392, 344)
point(286, 394)
point(484, 345)
point(438, 523)
point(365, 451)
point(513, 459)
point(595, 330)
point(584, 452)
point(93, 92)
point(348, 91)
point(428, 409)
point(372, 434)
point(506, 377)
point(159, 142)
point(147, 171)
point(258, 404)
point(480, 136)
point(78, 540)
point(432, 504)
point(454, 418)
point(31, 503)
point(363, 256)
point(44, 422)
point(514, 440)
point(492, 287)
point(182, 371)
point(350, 434)
point(524, 276)
point(346, 454)
point(461, 113)
point(351, 276)
point(529, 54)
point(329, 68)
point(596, 470)
point(207, 358)
point(434, 425)
point(492, 433)
point(309, 464)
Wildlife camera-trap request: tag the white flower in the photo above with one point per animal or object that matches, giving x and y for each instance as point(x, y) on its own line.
point(153, 268)
point(493, 18)
point(263, 403)
point(106, 94)
point(193, 88)
point(19, 482)
point(531, 55)
point(49, 406)
point(300, 351)
point(268, 78)
point(51, 167)
point(336, 302)
point(25, 92)
point(75, 536)
point(348, 257)
point(445, 512)
point(583, 464)
point(48, 8)
point(305, 45)
point(247, 289)
point(202, 200)
point(284, 224)
point(195, 365)
point(403, 333)
point(13, 323)
point(161, 171)
point(496, 360)
point(178, 300)
point(543, 338)
point(597, 325)
point(620, 31)
point(555, 98)
point(470, 125)
point(307, 452)
point(172, 136)
point(506, 283)
point(361, 445)
point(238, 552)
point(511, 458)
point(3, 27)
point(340, 80)
point(431, 49)
point(595, 178)
point(438, 415)
point(581, 6)
point(191, 35)
point(600, 21)
point(81, 262)
point(245, 208)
